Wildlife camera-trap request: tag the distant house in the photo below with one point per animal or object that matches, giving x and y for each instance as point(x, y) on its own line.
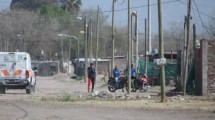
point(79, 65)
point(46, 68)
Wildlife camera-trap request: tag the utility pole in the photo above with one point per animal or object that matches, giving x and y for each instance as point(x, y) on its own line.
point(129, 49)
point(62, 67)
point(184, 51)
point(161, 51)
point(69, 54)
point(132, 39)
point(194, 39)
point(113, 36)
point(187, 50)
point(137, 42)
point(78, 48)
point(86, 48)
point(91, 40)
point(145, 66)
point(149, 27)
point(97, 39)
point(134, 14)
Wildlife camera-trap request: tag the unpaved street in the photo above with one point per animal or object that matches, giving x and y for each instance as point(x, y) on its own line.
point(65, 111)
point(16, 105)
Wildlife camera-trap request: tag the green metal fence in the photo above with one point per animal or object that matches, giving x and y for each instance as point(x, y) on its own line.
point(153, 69)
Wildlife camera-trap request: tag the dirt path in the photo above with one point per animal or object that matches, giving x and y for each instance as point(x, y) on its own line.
point(70, 111)
point(16, 105)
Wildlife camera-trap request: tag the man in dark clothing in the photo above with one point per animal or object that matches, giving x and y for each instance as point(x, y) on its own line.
point(91, 76)
point(133, 72)
point(116, 74)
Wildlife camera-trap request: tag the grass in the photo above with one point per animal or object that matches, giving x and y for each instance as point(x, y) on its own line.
point(66, 98)
point(63, 98)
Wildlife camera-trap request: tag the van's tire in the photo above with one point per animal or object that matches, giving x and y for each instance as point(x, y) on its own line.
point(28, 91)
point(2, 90)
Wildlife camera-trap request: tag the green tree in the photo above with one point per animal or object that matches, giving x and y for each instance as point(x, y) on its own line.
point(70, 5)
point(67, 5)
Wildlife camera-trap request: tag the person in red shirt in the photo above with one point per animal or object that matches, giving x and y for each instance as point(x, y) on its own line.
point(91, 76)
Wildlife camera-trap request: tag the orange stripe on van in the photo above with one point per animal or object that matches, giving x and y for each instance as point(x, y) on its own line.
point(5, 72)
point(17, 73)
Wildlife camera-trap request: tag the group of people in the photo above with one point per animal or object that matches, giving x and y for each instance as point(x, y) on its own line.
point(116, 75)
point(116, 72)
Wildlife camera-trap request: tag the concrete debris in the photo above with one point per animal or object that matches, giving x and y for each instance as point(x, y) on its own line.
point(177, 98)
point(147, 96)
point(102, 94)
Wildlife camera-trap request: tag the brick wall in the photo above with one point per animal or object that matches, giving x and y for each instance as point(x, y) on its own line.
point(211, 67)
point(198, 72)
point(205, 68)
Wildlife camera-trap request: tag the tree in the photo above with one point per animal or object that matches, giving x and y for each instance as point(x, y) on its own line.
point(70, 5)
point(30, 4)
point(66, 5)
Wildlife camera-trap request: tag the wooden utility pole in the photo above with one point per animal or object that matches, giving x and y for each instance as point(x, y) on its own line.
point(86, 48)
point(62, 57)
point(137, 42)
point(129, 49)
point(149, 27)
point(132, 39)
point(145, 66)
point(184, 51)
point(113, 37)
point(135, 38)
point(161, 51)
point(97, 39)
point(91, 40)
point(187, 50)
point(194, 39)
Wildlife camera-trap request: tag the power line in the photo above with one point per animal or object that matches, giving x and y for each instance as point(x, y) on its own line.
point(123, 9)
point(198, 24)
point(206, 29)
point(198, 10)
point(142, 6)
point(124, 34)
point(122, 2)
point(133, 8)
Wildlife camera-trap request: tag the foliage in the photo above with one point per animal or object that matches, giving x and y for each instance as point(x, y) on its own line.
point(50, 10)
point(66, 5)
point(30, 4)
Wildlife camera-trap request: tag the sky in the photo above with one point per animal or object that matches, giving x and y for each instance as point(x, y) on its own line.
point(174, 11)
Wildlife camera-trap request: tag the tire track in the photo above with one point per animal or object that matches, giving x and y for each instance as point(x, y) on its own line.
point(19, 108)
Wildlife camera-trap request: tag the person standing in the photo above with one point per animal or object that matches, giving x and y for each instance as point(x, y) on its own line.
point(91, 76)
point(133, 72)
point(116, 74)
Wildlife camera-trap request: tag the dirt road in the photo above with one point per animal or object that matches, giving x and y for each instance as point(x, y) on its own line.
point(16, 105)
point(67, 111)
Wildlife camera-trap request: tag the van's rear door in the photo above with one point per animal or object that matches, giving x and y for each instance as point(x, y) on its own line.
point(12, 66)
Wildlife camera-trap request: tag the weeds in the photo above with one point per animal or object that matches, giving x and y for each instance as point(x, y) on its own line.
point(66, 98)
point(63, 98)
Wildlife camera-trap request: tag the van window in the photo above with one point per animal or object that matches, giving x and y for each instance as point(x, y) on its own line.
point(13, 62)
point(10, 58)
point(19, 57)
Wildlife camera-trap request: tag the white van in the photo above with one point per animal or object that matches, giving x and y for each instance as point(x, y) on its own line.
point(16, 72)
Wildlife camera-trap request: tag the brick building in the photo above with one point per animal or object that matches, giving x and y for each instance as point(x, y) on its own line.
point(205, 68)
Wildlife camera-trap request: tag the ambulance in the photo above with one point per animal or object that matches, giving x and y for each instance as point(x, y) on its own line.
point(16, 72)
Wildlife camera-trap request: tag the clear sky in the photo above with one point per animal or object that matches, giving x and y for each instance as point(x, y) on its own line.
point(4, 4)
point(172, 12)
